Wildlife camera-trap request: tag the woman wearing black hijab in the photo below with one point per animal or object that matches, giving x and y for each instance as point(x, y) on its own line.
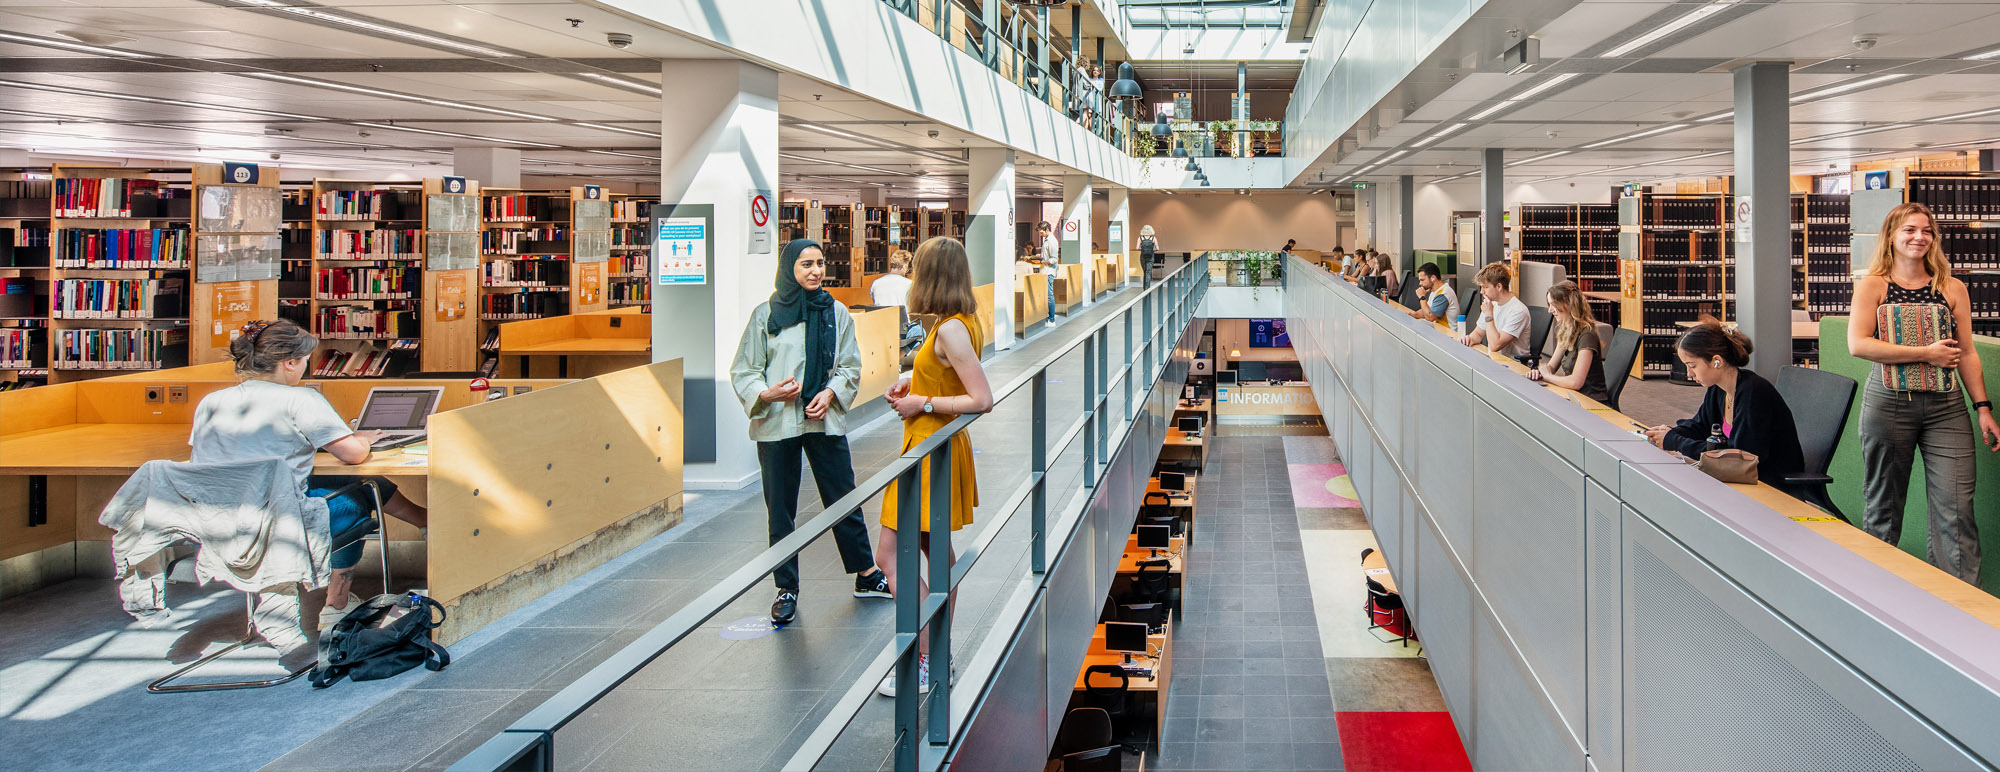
point(797, 369)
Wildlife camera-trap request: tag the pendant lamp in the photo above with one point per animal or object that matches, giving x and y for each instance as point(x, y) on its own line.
point(1127, 86)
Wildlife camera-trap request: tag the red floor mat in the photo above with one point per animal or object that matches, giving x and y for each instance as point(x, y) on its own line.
point(1401, 742)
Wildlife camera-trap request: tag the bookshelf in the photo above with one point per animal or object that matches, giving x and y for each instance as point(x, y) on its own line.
point(238, 255)
point(1675, 252)
point(591, 234)
point(1967, 205)
point(451, 247)
point(875, 246)
point(367, 280)
point(25, 196)
point(295, 259)
point(1823, 282)
point(630, 269)
point(1583, 239)
point(120, 264)
point(906, 231)
point(524, 261)
point(839, 232)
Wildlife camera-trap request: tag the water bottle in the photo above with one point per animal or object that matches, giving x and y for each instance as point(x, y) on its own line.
point(1459, 325)
point(1715, 439)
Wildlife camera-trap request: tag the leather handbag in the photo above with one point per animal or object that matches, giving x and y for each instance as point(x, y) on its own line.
point(1729, 465)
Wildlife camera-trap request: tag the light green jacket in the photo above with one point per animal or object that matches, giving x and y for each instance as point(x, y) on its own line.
point(763, 359)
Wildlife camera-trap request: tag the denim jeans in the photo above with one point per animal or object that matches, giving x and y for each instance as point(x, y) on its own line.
point(348, 514)
point(1937, 423)
point(1050, 286)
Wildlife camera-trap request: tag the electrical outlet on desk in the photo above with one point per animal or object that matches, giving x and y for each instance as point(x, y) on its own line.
point(156, 395)
point(177, 394)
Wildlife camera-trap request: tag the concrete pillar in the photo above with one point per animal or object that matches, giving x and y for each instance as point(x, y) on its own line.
point(718, 144)
point(1123, 238)
point(1406, 223)
point(1492, 205)
point(1763, 308)
point(1074, 230)
point(873, 196)
point(989, 236)
point(1364, 218)
point(493, 167)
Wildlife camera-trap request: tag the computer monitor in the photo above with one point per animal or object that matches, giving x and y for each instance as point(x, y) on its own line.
point(1156, 538)
point(1188, 393)
point(399, 409)
point(1250, 371)
point(1128, 638)
point(1225, 377)
point(1188, 425)
point(1173, 481)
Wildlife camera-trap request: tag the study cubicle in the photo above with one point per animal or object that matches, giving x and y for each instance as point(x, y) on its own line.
point(1589, 602)
point(1031, 301)
point(513, 513)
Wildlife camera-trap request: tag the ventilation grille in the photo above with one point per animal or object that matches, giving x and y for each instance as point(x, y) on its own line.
point(1711, 695)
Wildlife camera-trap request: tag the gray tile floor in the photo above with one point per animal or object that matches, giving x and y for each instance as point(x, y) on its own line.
point(1250, 687)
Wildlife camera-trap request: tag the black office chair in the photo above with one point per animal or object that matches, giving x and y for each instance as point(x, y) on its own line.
point(1155, 504)
point(1385, 612)
point(1154, 583)
point(1086, 742)
point(1406, 294)
point(1820, 402)
point(1468, 304)
point(1539, 322)
point(1114, 700)
point(1618, 363)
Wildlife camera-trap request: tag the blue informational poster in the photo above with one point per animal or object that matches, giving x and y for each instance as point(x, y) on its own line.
point(681, 248)
point(1875, 180)
point(1269, 333)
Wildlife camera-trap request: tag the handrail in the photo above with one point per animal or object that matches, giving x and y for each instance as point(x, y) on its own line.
point(529, 742)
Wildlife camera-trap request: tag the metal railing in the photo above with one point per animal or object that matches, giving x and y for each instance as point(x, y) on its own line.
point(1163, 309)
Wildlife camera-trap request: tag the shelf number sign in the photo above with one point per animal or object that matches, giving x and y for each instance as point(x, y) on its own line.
point(681, 248)
point(235, 305)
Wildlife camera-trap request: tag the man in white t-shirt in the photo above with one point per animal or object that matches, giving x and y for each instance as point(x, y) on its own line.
point(893, 289)
point(1051, 248)
point(1503, 319)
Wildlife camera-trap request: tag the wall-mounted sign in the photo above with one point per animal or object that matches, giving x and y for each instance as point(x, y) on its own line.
point(760, 222)
point(454, 185)
point(592, 192)
point(234, 304)
point(1875, 180)
point(681, 247)
point(451, 294)
point(239, 174)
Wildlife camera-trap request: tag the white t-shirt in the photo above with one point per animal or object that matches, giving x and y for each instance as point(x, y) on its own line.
point(890, 290)
point(1512, 318)
point(256, 420)
point(1051, 248)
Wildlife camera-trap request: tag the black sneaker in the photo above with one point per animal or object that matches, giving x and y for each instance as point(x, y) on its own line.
point(785, 608)
point(875, 585)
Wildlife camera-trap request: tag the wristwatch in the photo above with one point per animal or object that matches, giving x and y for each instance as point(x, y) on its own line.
point(927, 404)
point(1985, 403)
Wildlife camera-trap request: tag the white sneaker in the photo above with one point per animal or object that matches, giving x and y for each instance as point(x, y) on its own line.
point(328, 615)
point(888, 687)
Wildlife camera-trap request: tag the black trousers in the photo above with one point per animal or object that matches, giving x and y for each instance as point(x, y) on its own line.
point(833, 473)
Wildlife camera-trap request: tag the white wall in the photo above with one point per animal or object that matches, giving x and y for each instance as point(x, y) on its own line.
point(1190, 222)
point(1435, 203)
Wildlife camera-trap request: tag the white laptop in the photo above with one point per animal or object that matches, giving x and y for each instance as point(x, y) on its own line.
point(399, 413)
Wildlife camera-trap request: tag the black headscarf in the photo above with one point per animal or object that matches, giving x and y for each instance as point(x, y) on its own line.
point(792, 304)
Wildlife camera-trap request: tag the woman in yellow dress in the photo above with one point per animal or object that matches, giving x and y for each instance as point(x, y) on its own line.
point(945, 381)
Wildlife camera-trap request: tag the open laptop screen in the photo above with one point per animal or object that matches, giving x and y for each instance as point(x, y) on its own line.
point(398, 409)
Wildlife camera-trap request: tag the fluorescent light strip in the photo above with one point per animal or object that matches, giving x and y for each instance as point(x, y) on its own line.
point(1984, 55)
point(393, 127)
point(156, 100)
point(619, 129)
point(1963, 116)
point(36, 40)
point(844, 164)
point(1668, 28)
point(1716, 117)
point(614, 152)
point(315, 82)
point(1630, 137)
point(416, 37)
point(1853, 133)
point(1542, 157)
point(1842, 88)
point(620, 82)
point(1439, 134)
point(830, 131)
point(1524, 95)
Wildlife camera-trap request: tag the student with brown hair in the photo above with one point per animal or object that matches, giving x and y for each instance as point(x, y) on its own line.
point(1504, 321)
point(268, 415)
point(1910, 272)
point(1750, 412)
point(1579, 355)
point(894, 288)
point(944, 382)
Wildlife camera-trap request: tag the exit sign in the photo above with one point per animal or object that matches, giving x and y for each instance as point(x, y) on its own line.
point(1361, 186)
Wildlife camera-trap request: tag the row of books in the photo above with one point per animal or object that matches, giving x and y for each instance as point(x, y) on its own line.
point(526, 208)
point(26, 188)
point(525, 241)
point(1971, 248)
point(120, 298)
point(1567, 242)
point(138, 349)
point(110, 197)
point(366, 283)
point(1572, 216)
point(406, 244)
point(631, 209)
point(364, 323)
point(524, 273)
point(1984, 291)
point(631, 293)
point(366, 363)
point(629, 237)
point(30, 236)
point(22, 347)
point(122, 248)
point(629, 264)
point(1697, 213)
point(1957, 198)
point(522, 305)
point(365, 205)
point(1692, 245)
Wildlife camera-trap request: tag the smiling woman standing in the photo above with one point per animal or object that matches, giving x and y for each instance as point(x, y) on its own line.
point(1909, 287)
point(796, 371)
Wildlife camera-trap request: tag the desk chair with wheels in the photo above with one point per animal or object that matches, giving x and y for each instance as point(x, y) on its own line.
point(1406, 293)
point(1154, 583)
point(182, 570)
point(1115, 700)
point(1819, 401)
point(1539, 323)
point(1468, 304)
point(1086, 742)
point(1618, 358)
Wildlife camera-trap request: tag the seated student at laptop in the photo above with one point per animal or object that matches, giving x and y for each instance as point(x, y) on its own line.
point(269, 415)
point(1503, 318)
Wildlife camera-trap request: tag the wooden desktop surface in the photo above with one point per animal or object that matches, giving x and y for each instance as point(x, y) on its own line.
point(584, 347)
point(1376, 567)
point(1910, 568)
point(1800, 330)
point(1175, 439)
point(1192, 406)
point(1128, 563)
point(1162, 667)
point(1176, 502)
point(120, 449)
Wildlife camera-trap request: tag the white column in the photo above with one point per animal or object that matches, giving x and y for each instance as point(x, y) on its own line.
point(493, 167)
point(1121, 239)
point(718, 144)
point(1074, 230)
point(989, 237)
point(1763, 307)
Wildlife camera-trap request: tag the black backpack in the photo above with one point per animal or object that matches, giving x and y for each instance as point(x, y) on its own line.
point(361, 647)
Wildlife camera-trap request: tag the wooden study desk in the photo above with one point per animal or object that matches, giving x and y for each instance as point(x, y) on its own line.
point(1177, 502)
point(1175, 553)
point(1158, 687)
point(1376, 567)
point(1187, 445)
point(601, 342)
point(1200, 407)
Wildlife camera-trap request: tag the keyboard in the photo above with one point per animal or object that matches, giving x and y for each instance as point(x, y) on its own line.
point(388, 441)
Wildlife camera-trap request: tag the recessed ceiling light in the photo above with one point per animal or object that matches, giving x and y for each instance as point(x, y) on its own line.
point(627, 155)
point(1524, 95)
point(621, 82)
point(1842, 88)
point(1962, 116)
point(1542, 157)
point(1630, 137)
point(619, 129)
point(1668, 28)
point(1716, 117)
point(337, 86)
point(1439, 134)
point(35, 40)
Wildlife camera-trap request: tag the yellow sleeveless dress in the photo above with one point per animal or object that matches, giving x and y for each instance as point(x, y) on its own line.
point(929, 376)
